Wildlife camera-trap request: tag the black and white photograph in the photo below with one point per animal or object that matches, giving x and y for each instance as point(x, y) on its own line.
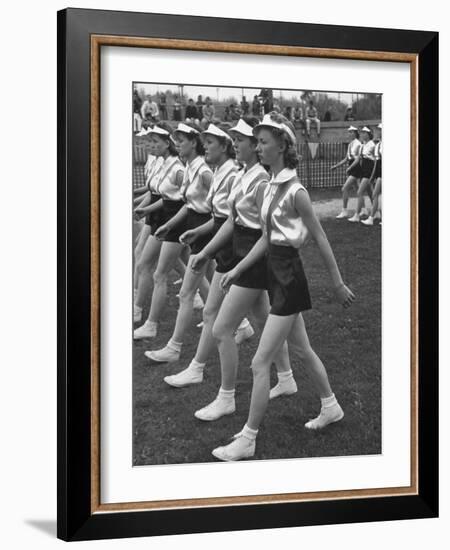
point(257, 263)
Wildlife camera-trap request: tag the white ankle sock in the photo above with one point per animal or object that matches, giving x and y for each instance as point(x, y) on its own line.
point(285, 376)
point(249, 433)
point(176, 346)
point(196, 365)
point(328, 401)
point(244, 323)
point(226, 395)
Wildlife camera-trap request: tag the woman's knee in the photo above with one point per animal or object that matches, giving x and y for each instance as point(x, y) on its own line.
point(222, 330)
point(187, 295)
point(209, 314)
point(159, 276)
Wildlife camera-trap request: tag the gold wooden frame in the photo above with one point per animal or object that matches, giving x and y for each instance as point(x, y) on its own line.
point(97, 41)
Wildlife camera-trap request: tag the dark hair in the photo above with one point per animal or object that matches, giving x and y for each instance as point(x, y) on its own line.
point(356, 132)
point(370, 132)
point(172, 148)
point(290, 152)
point(199, 147)
point(230, 152)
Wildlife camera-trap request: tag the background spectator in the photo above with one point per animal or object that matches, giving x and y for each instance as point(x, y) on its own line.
point(191, 112)
point(245, 107)
point(208, 112)
point(177, 110)
point(200, 104)
point(137, 104)
point(327, 116)
point(149, 109)
point(163, 107)
point(312, 116)
point(256, 106)
point(349, 114)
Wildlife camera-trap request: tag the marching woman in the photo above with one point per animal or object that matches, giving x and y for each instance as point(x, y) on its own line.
point(196, 212)
point(353, 170)
point(376, 176)
point(367, 160)
point(288, 218)
point(249, 292)
point(220, 153)
point(165, 187)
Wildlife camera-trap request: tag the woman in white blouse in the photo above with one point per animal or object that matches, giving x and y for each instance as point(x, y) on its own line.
point(366, 159)
point(166, 185)
point(376, 176)
point(288, 217)
point(249, 292)
point(219, 153)
point(353, 169)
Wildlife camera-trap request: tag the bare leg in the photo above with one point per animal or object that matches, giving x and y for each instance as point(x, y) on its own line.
point(146, 263)
point(143, 236)
point(361, 191)
point(376, 195)
point(170, 252)
point(349, 183)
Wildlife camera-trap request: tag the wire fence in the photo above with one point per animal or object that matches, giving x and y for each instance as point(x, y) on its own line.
point(314, 170)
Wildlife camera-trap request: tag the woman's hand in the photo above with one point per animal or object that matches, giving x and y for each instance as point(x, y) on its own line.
point(229, 278)
point(333, 167)
point(344, 295)
point(188, 237)
point(198, 261)
point(162, 231)
point(139, 213)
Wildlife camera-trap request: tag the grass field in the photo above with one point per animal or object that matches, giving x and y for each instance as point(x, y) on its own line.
point(348, 342)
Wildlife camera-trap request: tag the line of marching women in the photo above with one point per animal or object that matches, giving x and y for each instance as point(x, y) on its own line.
point(253, 223)
point(363, 173)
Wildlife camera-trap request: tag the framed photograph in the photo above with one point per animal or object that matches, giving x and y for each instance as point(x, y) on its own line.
point(247, 319)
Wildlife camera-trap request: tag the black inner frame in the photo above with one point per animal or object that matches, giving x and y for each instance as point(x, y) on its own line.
point(75, 521)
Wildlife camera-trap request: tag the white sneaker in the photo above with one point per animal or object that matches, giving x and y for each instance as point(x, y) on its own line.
point(369, 221)
point(178, 282)
point(287, 387)
point(137, 314)
point(164, 355)
point(241, 447)
point(215, 410)
point(198, 302)
point(186, 377)
point(244, 333)
point(342, 215)
point(327, 416)
point(200, 325)
point(354, 218)
point(148, 330)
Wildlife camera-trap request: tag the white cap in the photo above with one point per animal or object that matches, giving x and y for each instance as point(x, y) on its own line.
point(269, 123)
point(158, 130)
point(380, 126)
point(242, 128)
point(352, 129)
point(185, 129)
point(365, 129)
point(215, 131)
point(143, 132)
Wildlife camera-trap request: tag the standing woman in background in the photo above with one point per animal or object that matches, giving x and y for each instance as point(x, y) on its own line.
point(353, 170)
point(367, 160)
point(249, 292)
point(167, 185)
point(196, 212)
point(288, 217)
point(376, 175)
point(219, 153)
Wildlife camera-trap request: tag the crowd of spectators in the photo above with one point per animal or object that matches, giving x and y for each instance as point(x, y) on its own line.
point(304, 115)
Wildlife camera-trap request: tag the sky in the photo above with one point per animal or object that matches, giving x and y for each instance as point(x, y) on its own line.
point(221, 93)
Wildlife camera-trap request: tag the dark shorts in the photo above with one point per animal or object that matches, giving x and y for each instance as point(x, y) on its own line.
point(224, 257)
point(378, 169)
point(244, 239)
point(170, 208)
point(366, 168)
point(194, 219)
point(355, 171)
point(288, 287)
point(155, 219)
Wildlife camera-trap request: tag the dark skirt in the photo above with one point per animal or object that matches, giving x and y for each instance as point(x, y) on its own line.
point(194, 219)
point(224, 257)
point(244, 238)
point(366, 167)
point(355, 171)
point(170, 208)
point(156, 218)
point(378, 169)
point(287, 284)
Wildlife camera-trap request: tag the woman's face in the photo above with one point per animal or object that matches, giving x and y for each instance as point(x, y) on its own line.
point(269, 147)
point(365, 136)
point(352, 134)
point(244, 147)
point(185, 146)
point(161, 145)
point(152, 146)
point(213, 149)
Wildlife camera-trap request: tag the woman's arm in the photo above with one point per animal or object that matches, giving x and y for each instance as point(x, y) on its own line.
point(143, 200)
point(181, 215)
point(140, 191)
point(304, 208)
point(340, 163)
